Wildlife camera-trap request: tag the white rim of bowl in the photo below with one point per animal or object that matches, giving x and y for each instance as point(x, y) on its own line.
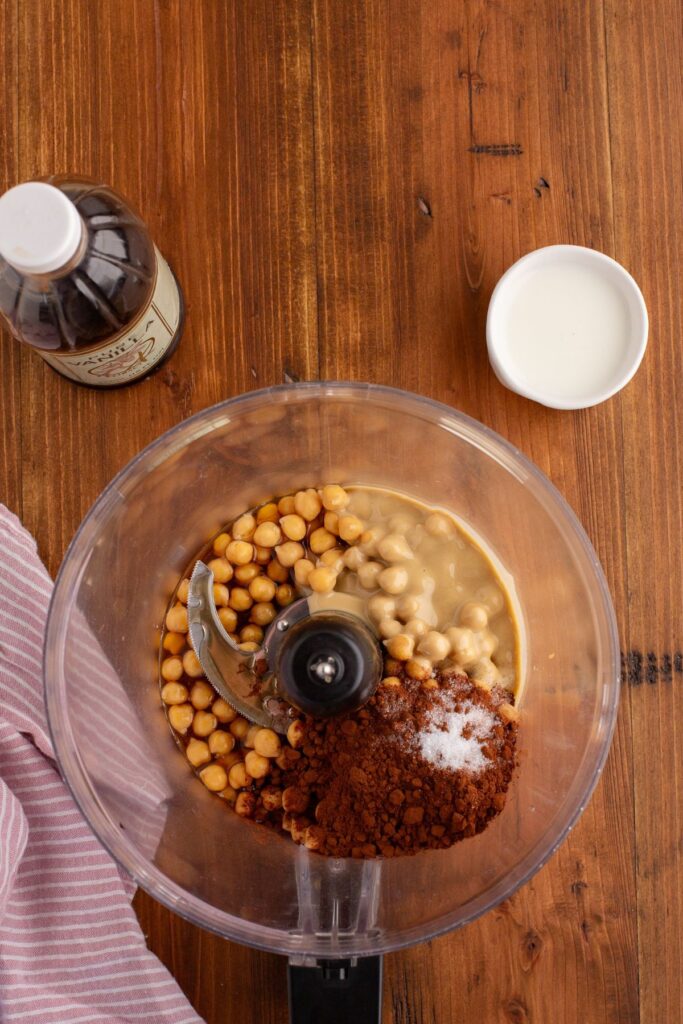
point(505, 372)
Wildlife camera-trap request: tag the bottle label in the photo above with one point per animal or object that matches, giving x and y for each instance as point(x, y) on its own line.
point(133, 352)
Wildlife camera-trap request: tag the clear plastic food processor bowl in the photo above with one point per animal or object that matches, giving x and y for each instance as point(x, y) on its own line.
point(185, 846)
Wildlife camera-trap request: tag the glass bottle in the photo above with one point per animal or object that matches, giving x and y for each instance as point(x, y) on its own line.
point(82, 282)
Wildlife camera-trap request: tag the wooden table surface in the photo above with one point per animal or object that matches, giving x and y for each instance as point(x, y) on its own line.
point(339, 185)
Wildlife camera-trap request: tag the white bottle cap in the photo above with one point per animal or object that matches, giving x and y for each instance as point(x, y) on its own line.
point(40, 228)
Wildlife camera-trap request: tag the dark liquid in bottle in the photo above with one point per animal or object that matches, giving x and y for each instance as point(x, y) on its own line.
point(100, 292)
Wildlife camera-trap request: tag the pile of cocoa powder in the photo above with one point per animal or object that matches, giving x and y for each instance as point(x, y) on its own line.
point(359, 786)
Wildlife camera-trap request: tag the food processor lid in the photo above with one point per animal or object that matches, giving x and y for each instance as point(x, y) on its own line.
point(320, 656)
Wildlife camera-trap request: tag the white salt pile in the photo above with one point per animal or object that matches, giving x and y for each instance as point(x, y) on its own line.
point(444, 744)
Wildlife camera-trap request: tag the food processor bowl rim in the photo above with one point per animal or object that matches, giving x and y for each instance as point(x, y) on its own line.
point(117, 844)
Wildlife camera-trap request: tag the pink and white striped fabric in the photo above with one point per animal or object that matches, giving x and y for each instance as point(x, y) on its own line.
point(71, 949)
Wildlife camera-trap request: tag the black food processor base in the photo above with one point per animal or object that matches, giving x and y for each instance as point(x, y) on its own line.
point(336, 992)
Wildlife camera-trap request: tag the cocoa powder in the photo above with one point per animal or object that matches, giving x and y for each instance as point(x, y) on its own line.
point(360, 786)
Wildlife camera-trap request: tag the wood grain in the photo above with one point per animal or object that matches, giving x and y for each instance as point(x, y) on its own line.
point(338, 186)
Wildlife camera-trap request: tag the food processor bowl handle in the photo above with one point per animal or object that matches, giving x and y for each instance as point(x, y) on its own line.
point(336, 991)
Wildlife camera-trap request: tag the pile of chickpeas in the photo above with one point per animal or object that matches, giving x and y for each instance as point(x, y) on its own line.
point(299, 545)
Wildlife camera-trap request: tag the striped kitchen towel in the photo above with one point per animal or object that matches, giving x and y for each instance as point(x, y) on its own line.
point(71, 949)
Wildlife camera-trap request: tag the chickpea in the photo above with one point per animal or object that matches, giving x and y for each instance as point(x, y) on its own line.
point(463, 645)
point(485, 671)
point(321, 540)
point(331, 523)
point(237, 776)
point(267, 743)
point(262, 589)
point(183, 591)
point(430, 684)
point(368, 575)
point(253, 732)
point(176, 619)
point(435, 646)
point(221, 569)
point(474, 616)
point(244, 527)
point(285, 506)
point(197, 752)
point(228, 619)
point(492, 598)
point(439, 525)
point(251, 634)
point(391, 682)
point(249, 645)
point(416, 628)
point(313, 837)
point(174, 693)
point(508, 712)
point(229, 759)
point(239, 727)
point(284, 594)
point(302, 569)
point(271, 798)
point(381, 606)
point(268, 513)
point(191, 665)
point(220, 544)
point(400, 646)
point(180, 716)
point(332, 559)
point(171, 669)
point(294, 800)
point(389, 627)
point(394, 579)
point(415, 536)
point(407, 607)
point(257, 766)
point(245, 805)
point(351, 528)
point(488, 643)
point(307, 504)
point(173, 643)
point(262, 555)
point(214, 777)
point(201, 695)
point(223, 711)
point(394, 548)
point(263, 613)
point(401, 523)
point(203, 723)
point(245, 574)
point(299, 828)
point(240, 599)
point(296, 733)
point(239, 552)
point(370, 539)
point(289, 553)
point(267, 535)
point(221, 595)
point(334, 497)
point(229, 795)
point(322, 580)
point(419, 668)
point(354, 558)
point(294, 527)
point(221, 742)
point(277, 572)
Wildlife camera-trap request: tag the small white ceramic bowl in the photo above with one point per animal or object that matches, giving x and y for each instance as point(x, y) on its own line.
point(592, 314)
